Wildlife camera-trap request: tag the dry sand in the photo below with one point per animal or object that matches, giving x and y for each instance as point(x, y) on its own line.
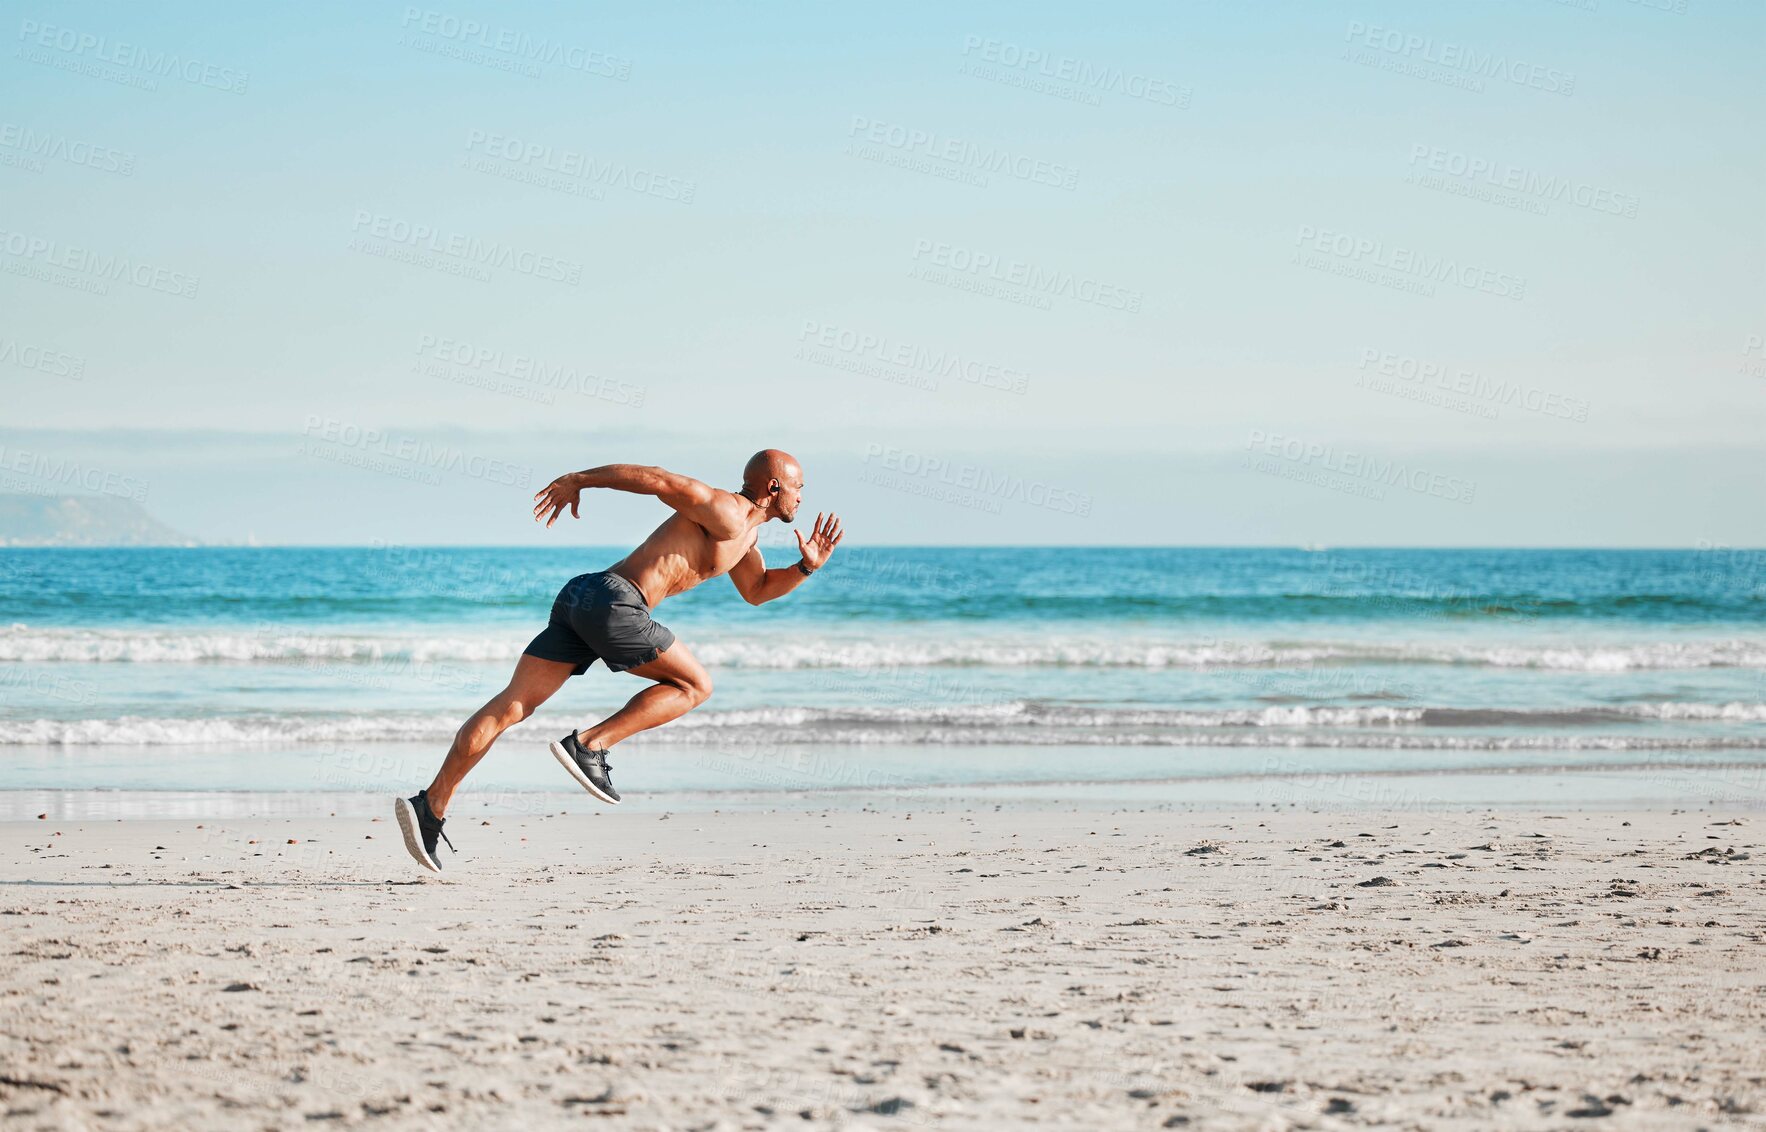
point(963, 970)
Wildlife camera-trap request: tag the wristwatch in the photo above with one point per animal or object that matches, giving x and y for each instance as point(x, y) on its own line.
point(802, 569)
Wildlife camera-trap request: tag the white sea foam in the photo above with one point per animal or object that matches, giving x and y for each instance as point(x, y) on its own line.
point(1018, 723)
point(96, 646)
point(169, 646)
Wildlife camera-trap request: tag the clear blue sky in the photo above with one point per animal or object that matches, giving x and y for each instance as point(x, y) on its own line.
point(1393, 273)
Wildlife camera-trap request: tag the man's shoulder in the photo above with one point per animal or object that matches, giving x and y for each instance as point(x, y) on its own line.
point(746, 539)
point(726, 512)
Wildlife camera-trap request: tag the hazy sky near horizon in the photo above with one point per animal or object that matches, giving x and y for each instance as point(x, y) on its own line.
point(1391, 273)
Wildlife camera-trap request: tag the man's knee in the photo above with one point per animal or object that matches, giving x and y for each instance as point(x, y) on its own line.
point(502, 713)
point(698, 687)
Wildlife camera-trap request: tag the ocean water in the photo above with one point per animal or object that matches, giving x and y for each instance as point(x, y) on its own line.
point(899, 668)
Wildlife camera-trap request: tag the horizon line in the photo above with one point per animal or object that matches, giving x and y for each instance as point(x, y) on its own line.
point(1320, 549)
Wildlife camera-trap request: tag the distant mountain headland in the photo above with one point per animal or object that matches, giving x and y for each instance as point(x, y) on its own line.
point(81, 520)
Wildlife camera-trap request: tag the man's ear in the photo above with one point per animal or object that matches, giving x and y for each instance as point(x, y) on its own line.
point(772, 487)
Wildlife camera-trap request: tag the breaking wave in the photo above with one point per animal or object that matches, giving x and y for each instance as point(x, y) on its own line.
point(1019, 723)
point(93, 646)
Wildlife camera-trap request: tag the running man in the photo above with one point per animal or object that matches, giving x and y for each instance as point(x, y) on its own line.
point(606, 617)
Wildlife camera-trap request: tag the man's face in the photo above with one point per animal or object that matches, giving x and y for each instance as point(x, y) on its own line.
point(790, 494)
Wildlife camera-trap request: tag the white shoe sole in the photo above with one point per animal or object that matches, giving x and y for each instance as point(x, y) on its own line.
point(407, 815)
point(568, 763)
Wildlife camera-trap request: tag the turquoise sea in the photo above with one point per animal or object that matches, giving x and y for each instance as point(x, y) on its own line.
point(1298, 677)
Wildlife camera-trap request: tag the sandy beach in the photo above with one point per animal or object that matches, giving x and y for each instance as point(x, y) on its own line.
point(982, 969)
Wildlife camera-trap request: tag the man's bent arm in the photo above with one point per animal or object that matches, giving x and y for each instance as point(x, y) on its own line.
point(757, 584)
point(672, 488)
point(719, 512)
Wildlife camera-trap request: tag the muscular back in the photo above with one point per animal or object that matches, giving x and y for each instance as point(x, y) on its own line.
point(679, 555)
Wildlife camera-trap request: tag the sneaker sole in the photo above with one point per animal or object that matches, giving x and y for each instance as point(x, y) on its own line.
point(407, 815)
point(568, 763)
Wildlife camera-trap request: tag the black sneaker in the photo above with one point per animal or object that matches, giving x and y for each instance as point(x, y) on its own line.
point(421, 828)
point(590, 768)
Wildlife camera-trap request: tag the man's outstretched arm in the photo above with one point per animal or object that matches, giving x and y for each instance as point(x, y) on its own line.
point(719, 512)
point(758, 585)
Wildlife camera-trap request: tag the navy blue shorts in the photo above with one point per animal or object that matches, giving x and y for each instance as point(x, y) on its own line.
point(601, 617)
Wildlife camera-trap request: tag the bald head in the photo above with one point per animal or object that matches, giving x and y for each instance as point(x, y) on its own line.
point(768, 464)
point(773, 475)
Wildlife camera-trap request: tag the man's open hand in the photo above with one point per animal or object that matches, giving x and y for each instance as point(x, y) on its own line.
point(556, 496)
point(821, 542)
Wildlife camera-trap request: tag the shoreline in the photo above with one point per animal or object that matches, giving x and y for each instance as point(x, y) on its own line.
point(1738, 787)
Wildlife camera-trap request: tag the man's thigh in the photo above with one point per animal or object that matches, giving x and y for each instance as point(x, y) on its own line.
point(536, 679)
point(675, 665)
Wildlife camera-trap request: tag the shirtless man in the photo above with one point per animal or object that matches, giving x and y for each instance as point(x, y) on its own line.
point(606, 616)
